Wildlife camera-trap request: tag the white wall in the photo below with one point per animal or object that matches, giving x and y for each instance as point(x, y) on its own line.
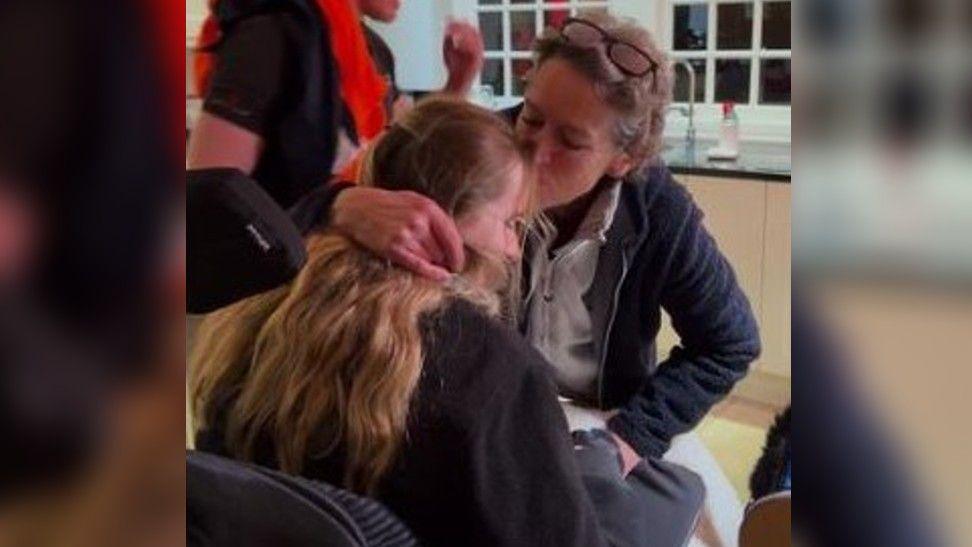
point(195, 6)
point(416, 40)
point(195, 12)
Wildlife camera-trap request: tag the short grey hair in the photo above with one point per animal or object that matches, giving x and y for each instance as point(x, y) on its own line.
point(641, 103)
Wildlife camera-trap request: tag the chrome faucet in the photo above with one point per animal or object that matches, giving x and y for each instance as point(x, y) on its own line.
point(690, 112)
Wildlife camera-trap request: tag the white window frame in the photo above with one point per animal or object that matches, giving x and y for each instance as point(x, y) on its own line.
point(758, 122)
point(470, 10)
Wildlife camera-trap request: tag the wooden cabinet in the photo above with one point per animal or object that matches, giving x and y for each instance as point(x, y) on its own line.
point(776, 282)
point(750, 221)
point(735, 215)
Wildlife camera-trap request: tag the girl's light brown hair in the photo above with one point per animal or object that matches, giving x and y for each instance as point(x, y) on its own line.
point(334, 357)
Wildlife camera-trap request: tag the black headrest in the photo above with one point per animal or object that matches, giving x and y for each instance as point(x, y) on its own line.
point(240, 241)
point(229, 503)
point(240, 504)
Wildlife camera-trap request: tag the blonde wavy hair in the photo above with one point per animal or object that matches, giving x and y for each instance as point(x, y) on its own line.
point(333, 358)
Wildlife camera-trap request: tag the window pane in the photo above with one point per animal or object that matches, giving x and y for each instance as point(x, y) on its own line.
point(555, 19)
point(491, 27)
point(735, 26)
point(493, 75)
point(522, 1)
point(554, 1)
point(488, 2)
point(691, 26)
point(682, 82)
point(520, 69)
point(774, 81)
point(776, 25)
point(522, 30)
point(732, 80)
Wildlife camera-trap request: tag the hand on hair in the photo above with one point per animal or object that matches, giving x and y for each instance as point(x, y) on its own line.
point(407, 228)
point(462, 50)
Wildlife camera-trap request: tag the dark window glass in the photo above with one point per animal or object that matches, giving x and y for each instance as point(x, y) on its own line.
point(735, 26)
point(774, 81)
point(732, 80)
point(691, 26)
point(522, 30)
point(493, 75)
point(491, 27)
point(776, 25)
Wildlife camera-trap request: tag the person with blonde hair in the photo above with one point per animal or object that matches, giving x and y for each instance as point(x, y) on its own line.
point(370, 377)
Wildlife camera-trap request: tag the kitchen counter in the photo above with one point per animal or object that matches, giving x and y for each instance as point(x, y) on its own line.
point(757, 160)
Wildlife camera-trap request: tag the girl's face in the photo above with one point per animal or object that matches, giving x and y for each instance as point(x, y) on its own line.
point(572, 132)
point(495, 228)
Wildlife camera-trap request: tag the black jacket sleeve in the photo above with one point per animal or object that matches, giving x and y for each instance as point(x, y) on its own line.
point(718, 335)
point(313, 211)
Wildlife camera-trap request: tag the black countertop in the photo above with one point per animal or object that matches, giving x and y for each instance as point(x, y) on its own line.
point(757, 160)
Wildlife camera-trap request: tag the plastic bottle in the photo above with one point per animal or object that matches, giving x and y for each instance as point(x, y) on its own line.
point(729, 130)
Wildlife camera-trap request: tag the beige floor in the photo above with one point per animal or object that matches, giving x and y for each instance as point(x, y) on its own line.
point(734, 432)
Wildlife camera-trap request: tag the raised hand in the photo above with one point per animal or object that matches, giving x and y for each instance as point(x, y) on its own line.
point(462, 51)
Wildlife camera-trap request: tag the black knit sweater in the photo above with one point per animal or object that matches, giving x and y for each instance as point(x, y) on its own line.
point(487, 458)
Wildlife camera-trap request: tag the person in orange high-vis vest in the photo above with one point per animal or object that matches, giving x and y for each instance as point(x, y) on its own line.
point(292, 90)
